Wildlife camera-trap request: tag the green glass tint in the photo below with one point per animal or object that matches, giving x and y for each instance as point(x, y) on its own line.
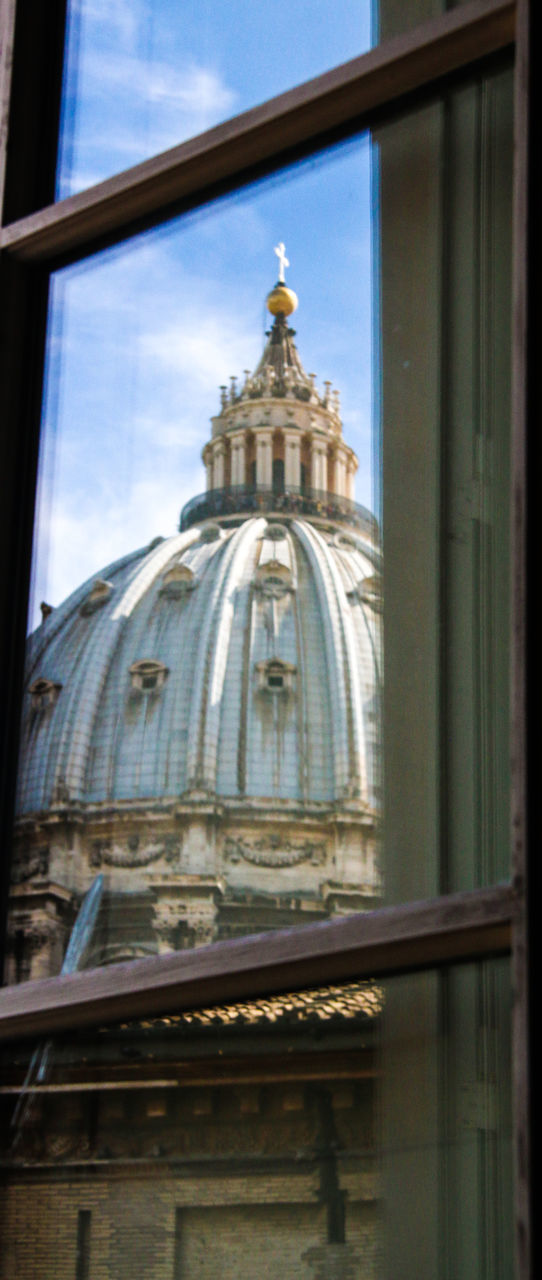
point(396, 17)
point(352, 1131)
point(445, 276)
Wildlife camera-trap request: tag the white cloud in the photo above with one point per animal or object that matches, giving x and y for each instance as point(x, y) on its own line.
point(123, 18)
point(141, 338)
point(196, 90)
point(205, 349)
point(130, 107)
point(129, 409)
point(77, 545)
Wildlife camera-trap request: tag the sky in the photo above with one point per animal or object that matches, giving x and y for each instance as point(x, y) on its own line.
point(141, 336)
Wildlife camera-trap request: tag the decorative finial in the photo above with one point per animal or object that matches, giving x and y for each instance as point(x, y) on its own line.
point(281, 301)
point(280, 251)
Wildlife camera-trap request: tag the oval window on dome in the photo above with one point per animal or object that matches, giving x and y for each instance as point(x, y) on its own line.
point(344, 543)
point(273, 579)
point(276, 532)
point(44, 693)
point(98, 595)
point(177, 581)
point(210, 533)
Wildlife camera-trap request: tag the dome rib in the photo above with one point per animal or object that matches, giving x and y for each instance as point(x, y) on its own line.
point(86, 685)
point(342, 666)
point(204, 721)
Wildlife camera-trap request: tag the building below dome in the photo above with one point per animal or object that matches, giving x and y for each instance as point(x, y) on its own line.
point(202, 719)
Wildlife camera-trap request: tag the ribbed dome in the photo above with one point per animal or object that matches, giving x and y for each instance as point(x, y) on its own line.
point(235, 661)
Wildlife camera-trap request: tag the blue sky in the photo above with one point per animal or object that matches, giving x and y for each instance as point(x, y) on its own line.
point(140, 337)
point(144, 75)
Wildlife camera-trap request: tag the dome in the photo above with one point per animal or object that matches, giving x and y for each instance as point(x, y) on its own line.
point(235, 660)
point(201, 716)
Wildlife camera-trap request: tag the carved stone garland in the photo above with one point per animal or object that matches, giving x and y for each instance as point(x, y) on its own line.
point(274, 851)
point(133, 853)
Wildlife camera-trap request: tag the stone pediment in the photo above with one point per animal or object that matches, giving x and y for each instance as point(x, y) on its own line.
point(275, 676)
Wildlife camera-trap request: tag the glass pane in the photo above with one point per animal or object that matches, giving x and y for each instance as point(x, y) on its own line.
point(145, 75)
point(202, 736)
point(201, 723)
point(351, 1131)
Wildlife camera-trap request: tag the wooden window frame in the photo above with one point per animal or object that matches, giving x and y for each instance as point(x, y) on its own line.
point(37, 236)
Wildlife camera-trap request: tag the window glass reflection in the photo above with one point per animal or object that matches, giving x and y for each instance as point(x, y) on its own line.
point(202, 716)
point(201, 721)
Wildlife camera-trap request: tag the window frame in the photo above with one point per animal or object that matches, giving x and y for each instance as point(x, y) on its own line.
point(36, 237)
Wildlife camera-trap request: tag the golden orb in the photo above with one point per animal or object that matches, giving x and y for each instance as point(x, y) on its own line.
point(281, 301)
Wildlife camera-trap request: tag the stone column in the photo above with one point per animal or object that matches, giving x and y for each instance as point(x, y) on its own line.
point(264, 458)
point(187, 905)
point(219, 451)
point(207, 456)
point(319, 465)
point(233, 462)
point(340, 473)
point(351, 468)
point(292, 460)
point(238, 476)
point(42, 946)
point(165, 922)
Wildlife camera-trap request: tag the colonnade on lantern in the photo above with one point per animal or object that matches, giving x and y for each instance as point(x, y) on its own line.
point(277, 432)
point(279, 459)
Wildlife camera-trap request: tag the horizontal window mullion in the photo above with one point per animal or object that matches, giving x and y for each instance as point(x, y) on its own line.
point(391, 940)
point(264, 136)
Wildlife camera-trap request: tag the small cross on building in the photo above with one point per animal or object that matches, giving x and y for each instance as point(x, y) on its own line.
point(283, 261)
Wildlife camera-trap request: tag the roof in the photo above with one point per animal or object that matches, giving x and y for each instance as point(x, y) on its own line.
point(352, 1002)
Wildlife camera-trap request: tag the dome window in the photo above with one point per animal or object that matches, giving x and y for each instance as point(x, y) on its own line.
point(344, 543)
point(148, 675)
point(275, 676)
point(368, 591)
point(273, 579)
point(275, 680)
point(97, 596)
point(177, 581)
point(211, 533)
point(44, 693)
point(276, 532)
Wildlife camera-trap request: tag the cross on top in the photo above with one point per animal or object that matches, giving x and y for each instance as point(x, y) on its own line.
point(283, 261)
